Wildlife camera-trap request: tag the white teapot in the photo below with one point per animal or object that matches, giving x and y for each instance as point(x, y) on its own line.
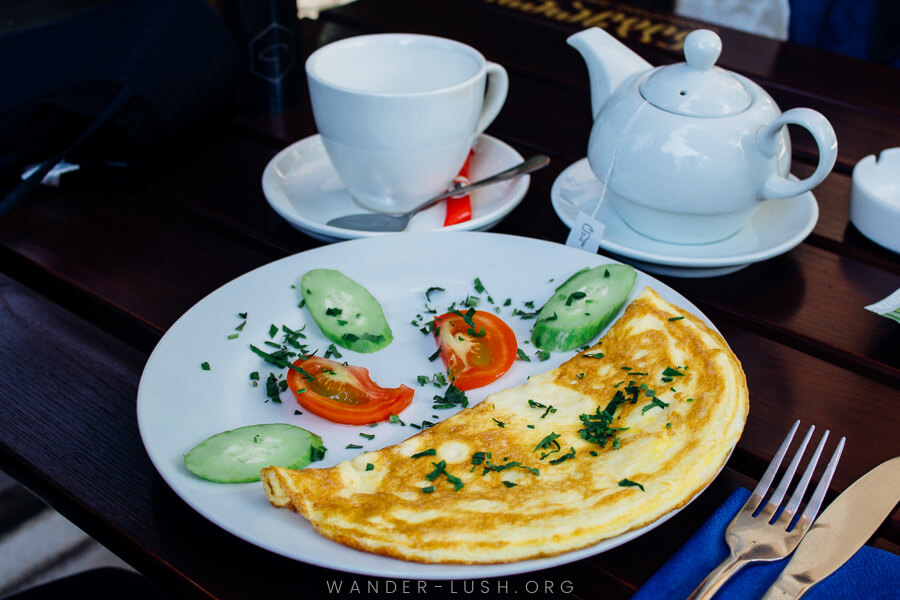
point(687, 152)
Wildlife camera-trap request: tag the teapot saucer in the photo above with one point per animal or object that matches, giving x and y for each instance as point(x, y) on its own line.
point(776, 227)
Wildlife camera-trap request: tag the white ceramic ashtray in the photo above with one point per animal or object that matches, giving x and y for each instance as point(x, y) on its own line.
point(875, 198)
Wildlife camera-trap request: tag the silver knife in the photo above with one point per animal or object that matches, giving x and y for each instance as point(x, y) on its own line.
point(840, 531)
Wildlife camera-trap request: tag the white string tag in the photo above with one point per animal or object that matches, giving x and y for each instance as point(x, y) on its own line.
point(586, 233)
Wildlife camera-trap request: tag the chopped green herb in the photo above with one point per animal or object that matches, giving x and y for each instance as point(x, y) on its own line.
point(430, 290)
point(507, 302)
point(656, 402)
point(300, 391)
point(395, 419)
point(452, 397)
point(479, 287)
point(580, 376)
point(548, 442)
point(368, 436)
point(594, 355)
point(542, 355)
point(332, 351)
point(574, 296)
point(272, 331)
point(429, 452)
point(564, 457)
point(435, 355)
point(668, 426)
point(233, 336)
point(509, 484)
point(520, 354)
point(241, 326)
point(593, 453)
point(254, 375)
point(369, 466)
point(440, 468)
point(530, 426)
point(242, 315)
point(428, 490)
point(675, 318)
point(205, 366)
point(297, 412)
point(422, 379)
point(630, 483)
point(353, 447)
point(499, 423)
point(689, 400)
point(333, 311)
point(341, 322)
point(670, 372)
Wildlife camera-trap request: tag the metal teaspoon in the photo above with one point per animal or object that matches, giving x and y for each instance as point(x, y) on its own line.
point(386, 222)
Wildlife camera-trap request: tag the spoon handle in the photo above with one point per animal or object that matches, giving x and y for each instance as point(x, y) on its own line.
point(532, 164)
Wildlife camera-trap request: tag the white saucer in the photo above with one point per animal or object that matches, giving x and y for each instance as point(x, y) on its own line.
point(776, 227)
point(302, 186)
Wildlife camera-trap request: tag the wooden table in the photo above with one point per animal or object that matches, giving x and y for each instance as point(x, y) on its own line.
point(90, 280)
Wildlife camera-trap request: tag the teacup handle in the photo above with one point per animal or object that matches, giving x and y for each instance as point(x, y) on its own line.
point(777, 186)
point(495, 96)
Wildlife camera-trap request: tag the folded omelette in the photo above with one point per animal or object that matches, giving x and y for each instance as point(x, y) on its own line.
point(609, 441)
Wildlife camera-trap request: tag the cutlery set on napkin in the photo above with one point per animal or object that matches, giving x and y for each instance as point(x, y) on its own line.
point(830, 545)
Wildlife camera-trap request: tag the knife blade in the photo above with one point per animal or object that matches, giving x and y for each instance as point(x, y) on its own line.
point(840, 531)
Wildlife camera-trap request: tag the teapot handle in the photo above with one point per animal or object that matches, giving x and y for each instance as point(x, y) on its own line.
point(777, 186)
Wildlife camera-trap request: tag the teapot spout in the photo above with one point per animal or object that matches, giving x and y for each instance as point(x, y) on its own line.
point(609, 63)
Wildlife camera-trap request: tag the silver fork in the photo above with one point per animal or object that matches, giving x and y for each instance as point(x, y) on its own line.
point(754, 537)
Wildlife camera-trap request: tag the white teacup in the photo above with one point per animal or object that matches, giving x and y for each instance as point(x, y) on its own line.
point(398, 113)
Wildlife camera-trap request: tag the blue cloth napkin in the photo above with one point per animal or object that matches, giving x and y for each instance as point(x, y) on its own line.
point(871, 574)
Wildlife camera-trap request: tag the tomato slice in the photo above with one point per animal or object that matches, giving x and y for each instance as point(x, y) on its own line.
point(343, 393)
point(474, 356)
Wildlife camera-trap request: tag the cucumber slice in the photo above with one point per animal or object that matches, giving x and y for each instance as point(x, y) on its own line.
point(237, 455)
point(345, 311)
point(582, 306)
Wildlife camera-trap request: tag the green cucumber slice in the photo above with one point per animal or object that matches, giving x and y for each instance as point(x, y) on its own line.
point(237, 455)
point(345, 311)
point(582, 306)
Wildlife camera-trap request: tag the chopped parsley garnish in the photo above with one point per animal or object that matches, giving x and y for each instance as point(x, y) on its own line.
point(353, 447)
point(254, 376)
point(689, 400)
point(430, 290)
point(333, 311)
point(520, 354)
point(280, 358)
point(668, 426)
point(509, 484)
point(630, 483)
point(272, 331)
point(549, 443)
point(479, 287)
point(422, 379)
point(274, 387)
point(675, 318)
point(656, 402)
point(524, 315)
point(598, 426)
point(429, 452)
point(242, 315)
point(452, 398)
point(472, 300)
point(507, 302)
point(435, 355)
point(395, 419)
point(332, 351)
point(428, 490)
point(440, 468)
point(564, 457)
point(297, 412)
point(670, 372)
point(369, 466)
point(233, 336)
point(350, 337)
point(574, 296)
point(530, 426)
point(368, 436)
point(498, 422)
point(542, 355)
point(241, 326)
point(594, 453)
point(300, 391)
point(580, 376)
point(205, 366)
point(594, 355)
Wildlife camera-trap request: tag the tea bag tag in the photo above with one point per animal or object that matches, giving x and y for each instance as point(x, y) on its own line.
point(586, 233)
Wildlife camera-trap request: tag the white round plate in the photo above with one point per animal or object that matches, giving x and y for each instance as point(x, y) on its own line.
point(179, 404)
point(776, 227)
point(302, 186)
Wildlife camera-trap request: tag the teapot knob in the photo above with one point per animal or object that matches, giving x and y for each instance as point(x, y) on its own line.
point(701, 49)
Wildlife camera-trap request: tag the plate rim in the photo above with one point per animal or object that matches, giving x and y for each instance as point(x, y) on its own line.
point(517, 190)
point(420, 571)
point(807, 199)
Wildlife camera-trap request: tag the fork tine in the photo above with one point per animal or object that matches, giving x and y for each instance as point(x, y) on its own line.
point(781, 490)
point(763, 486)
point(800, 490)
point(812, 508)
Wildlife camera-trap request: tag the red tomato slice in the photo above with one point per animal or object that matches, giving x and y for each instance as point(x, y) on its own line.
point(344, 394)
point(475, 357)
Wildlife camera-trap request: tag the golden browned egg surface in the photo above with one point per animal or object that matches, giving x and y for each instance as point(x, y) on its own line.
point(661, 390)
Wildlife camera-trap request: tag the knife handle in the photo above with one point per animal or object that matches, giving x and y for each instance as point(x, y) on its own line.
point(717, 578)
point(785, 588)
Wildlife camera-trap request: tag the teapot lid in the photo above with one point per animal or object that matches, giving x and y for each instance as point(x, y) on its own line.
point(697, 88)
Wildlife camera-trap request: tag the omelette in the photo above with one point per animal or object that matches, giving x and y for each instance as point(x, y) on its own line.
point(609, 441)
